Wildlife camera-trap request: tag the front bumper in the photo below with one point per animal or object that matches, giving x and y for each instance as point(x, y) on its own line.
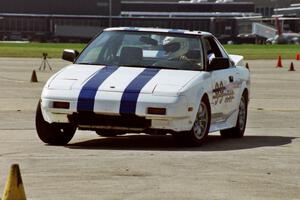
point(106, 112)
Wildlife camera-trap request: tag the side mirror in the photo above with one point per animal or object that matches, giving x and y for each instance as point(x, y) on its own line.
point(219, 63)
point(70, 55)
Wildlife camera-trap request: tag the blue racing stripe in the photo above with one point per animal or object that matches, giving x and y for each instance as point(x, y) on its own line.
point(131, 93)
point(88, 92)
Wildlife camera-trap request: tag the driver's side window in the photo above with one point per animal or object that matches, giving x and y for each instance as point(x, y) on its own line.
point(212, 50)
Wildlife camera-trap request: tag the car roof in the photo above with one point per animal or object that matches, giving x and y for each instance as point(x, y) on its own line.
point(158, 30)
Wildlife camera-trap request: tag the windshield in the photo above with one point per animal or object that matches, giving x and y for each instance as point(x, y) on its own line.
point(144, 49)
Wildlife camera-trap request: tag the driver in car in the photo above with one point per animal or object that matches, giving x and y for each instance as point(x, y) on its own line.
point(175, 48)
point(178, 49)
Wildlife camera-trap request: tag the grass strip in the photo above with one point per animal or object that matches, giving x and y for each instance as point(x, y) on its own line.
point(54, 50)
point(254, 52)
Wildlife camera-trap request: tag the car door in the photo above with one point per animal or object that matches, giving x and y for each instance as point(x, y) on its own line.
point(224, 94)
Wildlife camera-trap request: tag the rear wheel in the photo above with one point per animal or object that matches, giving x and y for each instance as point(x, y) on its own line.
point(54, 133)
point(198, 134)
point(239, 129)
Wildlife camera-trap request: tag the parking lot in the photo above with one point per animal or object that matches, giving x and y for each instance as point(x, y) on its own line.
point(265, 164)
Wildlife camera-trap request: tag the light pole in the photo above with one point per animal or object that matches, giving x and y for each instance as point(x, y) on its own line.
point(109, 10)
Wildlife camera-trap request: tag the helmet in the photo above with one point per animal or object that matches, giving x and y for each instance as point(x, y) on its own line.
point(175, 46)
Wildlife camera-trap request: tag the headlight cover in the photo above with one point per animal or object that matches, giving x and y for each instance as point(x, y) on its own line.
point(167, 90)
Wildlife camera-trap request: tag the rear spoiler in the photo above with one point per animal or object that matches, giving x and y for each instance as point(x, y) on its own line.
point(237, 59)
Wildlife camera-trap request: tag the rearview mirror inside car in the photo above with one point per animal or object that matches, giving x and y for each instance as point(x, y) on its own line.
point(148, 40)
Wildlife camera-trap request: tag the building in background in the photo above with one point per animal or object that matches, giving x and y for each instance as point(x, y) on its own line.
point(291, 11)
point(290, 17)
point(69, 20)
point(80, 20)
point(62, 7)
point(266, 7)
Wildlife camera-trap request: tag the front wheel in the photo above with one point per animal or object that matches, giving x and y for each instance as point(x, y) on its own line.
point(54, 133)
point(198, 134)
point(239, 129)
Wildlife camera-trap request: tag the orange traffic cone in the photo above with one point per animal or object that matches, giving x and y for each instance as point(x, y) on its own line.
point(279, 62)
point(14, 189)
point(292, 67)
point(298, 56)
point(33, 77)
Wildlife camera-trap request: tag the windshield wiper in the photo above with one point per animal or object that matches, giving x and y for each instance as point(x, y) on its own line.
point(125, 65)
point(165, 67)
point(148, 66)
point(87, 63)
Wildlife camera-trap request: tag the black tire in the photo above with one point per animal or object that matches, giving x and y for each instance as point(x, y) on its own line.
point(202, 124)
point(54, 133)
point(239, 129)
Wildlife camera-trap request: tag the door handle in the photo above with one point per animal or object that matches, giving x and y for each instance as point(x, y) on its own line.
point(231, 79)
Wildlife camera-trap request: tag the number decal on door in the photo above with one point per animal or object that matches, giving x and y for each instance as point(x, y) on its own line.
point(220, 93)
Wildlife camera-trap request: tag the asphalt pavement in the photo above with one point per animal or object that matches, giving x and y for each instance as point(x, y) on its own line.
point(265, 164)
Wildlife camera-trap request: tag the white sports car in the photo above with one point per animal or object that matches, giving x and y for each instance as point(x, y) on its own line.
point(142, 80)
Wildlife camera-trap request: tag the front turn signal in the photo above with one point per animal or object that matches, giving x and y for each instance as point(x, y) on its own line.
point(61, 105)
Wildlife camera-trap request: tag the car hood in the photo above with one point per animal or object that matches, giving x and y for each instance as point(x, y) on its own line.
point(163, 81)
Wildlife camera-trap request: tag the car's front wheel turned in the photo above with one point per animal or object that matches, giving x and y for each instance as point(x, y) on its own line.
point(54, 133)
point(239, 129)
point(198, 134)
